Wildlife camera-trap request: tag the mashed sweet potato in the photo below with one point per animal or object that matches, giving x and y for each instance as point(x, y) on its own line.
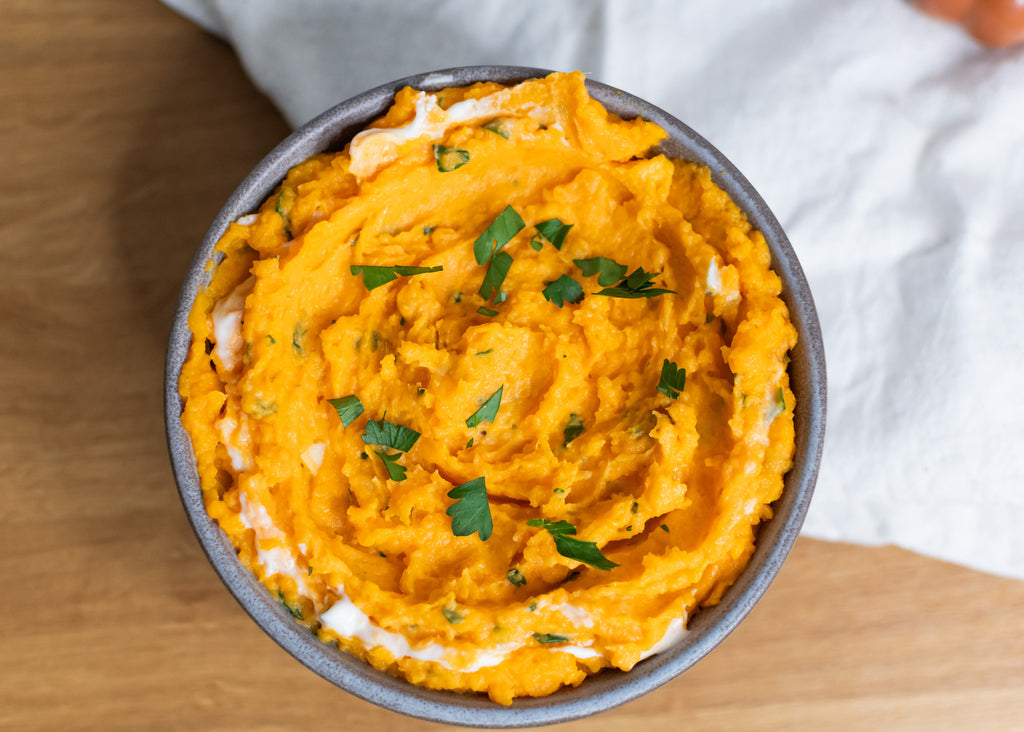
point(495, 397)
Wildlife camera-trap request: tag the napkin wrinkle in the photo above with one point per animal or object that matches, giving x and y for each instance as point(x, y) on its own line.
point(889, 146)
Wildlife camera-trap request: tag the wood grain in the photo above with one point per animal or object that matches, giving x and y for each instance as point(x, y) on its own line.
point(123, 130)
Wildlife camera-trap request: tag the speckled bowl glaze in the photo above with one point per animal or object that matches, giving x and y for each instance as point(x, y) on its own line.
point(331, 131)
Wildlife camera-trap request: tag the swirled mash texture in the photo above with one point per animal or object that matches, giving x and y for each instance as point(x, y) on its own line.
point(669, 485)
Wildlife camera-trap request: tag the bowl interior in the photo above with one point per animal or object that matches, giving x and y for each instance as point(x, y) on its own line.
point(330, 131)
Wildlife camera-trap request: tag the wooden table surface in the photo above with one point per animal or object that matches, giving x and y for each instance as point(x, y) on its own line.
point(123, 128)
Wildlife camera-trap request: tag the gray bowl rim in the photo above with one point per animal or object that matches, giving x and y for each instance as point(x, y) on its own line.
point(610, 688)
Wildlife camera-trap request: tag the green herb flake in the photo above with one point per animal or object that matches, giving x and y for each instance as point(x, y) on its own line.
point(550, 638)
point(497, 126)
point(516, 577)
point(470, 443)
point(554, 231)
point(635, 508)
point(778, 405)
point(449, 158)
point(608, 271)
point(382, 554)
point(471, 512)
point(709, 318)
point(349, 408)
point(629, 528)
point(673, 379)
point(298, 333)
point(664, 527)
point(563, 290)
point(573, 429)
point(486, 311)
point(497, 271)
point(558, 491)
point(295, 611)
point(533, 607)
point(484, 353)
point(488, 410)
point(390, 459)
point(374, 340)
point(428, 230)
point(420, 391)
point(259, 409)
point(499, 233)
point(452, 615)
point(537, 243)
point(285, 219)
point(582, 551)
point(388, 434)
point(271, 339)
point(638, 284)
point(309, 571)
point(375, 276)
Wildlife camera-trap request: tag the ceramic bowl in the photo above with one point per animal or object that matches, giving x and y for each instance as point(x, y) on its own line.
point(331, 131)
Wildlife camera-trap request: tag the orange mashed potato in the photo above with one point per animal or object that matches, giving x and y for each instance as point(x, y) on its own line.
point(446, 422)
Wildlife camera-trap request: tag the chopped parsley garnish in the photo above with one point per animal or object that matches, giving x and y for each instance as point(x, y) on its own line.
point(550, 638)
point(285, 219)
point(778, 405)
point(664, 527)
point(484, 353)
point(501, 231)
point(487, 249)
point(554, 231)
point(390, 459)
point(452, 615)
point(582, 551)
point(516, 577)
point(470, 443)
point(497, 126)
point(471, 513)
point(537, 243)
point(376, 275)
point(497, 270)
point(388, 434)
point(298, 333)
point(673, 379)
point(427, 230)
point(564, 289)
point(348, 408)
point(573, 429)
point(295, 611)
point(488, 410)
point(449, 158)
point(638, 284)
point(486, 311)
point(608, 271)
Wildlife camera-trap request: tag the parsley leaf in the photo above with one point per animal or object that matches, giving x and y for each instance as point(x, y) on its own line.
point(564, 289)
point(550, 638)
point(452, 615)
point(582, 551)
point(497, 126)
point(673, 379)
point(388, 434)
point(516, 577)
point(449, 158)
point(638, 284)
point(376, 275)
point(471, 512)
point(488, 411)
point(486, 311)
point(348, 408)
point(501, 231)
point(395, 471)
point(778, 405)
point(497, 270)
point(573, 429)
point(608, 270)
point(554, 231)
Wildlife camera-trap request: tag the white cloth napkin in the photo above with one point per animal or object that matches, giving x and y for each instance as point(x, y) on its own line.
point(890, 147)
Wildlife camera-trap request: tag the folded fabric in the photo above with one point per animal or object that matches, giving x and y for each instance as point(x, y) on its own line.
point(890, 147)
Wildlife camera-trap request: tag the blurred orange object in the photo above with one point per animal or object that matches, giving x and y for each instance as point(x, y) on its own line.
point(993, 23)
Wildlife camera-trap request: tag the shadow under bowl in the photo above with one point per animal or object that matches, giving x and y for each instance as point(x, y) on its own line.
point(707, 628)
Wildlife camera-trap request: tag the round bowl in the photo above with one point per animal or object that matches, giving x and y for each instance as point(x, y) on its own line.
point(331, 131)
